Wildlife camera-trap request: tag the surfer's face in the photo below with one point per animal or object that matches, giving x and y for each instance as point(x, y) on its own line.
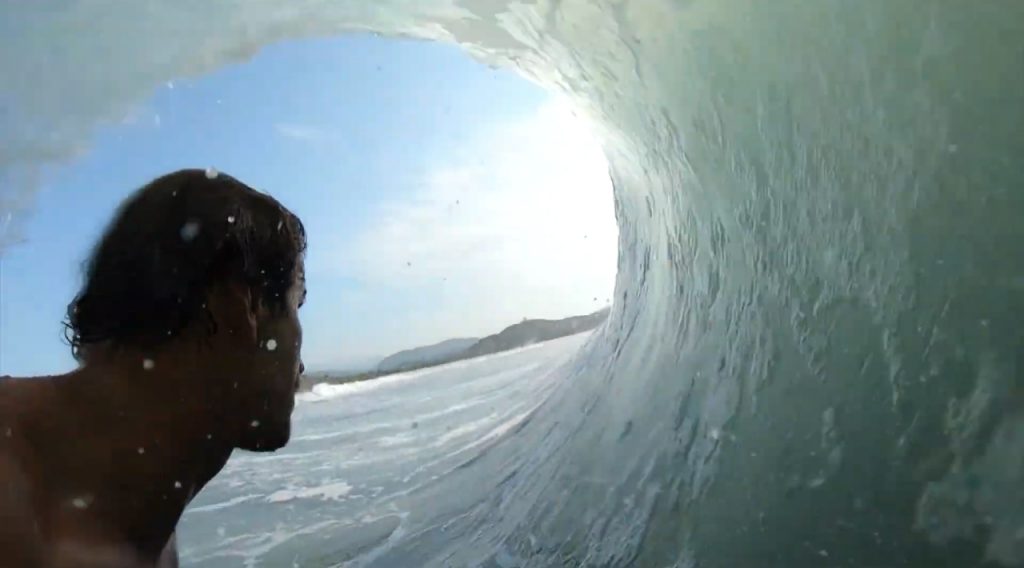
point(269, 397)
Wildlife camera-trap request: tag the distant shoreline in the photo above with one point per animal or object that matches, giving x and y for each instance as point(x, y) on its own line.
point(306, 382)
point(515, 336)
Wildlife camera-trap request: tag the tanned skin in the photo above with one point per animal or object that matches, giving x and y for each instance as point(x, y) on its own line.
point(97, 465)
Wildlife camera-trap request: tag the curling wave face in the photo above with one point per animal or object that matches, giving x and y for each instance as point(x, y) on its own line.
point(814, 354)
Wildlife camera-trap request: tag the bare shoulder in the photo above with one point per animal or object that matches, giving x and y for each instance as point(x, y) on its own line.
point(21, 542)
point(23, 545)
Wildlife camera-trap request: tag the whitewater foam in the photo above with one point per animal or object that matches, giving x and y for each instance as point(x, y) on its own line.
point(330, 491)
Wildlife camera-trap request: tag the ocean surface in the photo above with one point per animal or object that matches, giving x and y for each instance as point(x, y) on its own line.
point(815, 355)
point(360, 475)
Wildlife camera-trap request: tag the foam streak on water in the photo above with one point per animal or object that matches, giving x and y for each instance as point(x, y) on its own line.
point(815, 350)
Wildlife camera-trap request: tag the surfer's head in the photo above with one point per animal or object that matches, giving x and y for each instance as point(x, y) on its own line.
point(201, 277)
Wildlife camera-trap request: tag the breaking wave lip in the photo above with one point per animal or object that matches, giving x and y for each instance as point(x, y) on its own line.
point(819, 210)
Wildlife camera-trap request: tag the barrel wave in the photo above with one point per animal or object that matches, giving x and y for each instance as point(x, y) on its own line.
point(815, 355)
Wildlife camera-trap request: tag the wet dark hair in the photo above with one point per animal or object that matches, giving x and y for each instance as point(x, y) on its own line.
point(168, 244)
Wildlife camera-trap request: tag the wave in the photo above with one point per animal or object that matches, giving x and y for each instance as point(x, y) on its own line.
point(815, 351)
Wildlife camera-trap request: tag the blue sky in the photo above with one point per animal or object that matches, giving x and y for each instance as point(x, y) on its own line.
point(442, 198)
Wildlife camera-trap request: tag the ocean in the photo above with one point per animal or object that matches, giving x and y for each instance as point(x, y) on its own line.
point(815, 354)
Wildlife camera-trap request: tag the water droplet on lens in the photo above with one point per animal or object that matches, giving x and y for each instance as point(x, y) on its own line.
point(189, 230)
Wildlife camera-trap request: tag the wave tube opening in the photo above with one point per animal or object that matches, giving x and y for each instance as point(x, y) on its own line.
point(814, 355)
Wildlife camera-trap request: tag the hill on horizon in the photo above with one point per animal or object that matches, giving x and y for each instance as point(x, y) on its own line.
point(522, 334)
point(526, 332)
point(530, 331)
point(425, 355)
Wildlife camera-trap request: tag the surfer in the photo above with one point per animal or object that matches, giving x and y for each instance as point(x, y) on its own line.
point(188, 340)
